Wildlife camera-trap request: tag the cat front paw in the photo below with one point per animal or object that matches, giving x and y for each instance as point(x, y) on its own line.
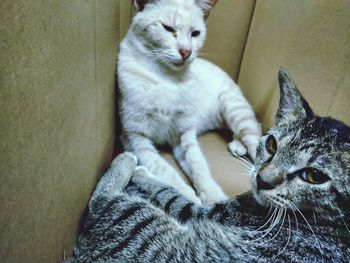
point(237, 148)
point(124, 162)
point(212, 196)
point(189, 194)
point(143, 177)
point(252, 147)
point(210, 199)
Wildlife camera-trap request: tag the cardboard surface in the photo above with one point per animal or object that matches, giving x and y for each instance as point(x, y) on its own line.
point(57, 116)
point(228, 26)
point(311, 40)
point(231, 173)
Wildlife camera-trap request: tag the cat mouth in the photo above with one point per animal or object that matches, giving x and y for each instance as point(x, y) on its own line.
point(179, 64)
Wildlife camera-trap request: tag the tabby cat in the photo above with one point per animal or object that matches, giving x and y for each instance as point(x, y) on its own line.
point(169, 96)
point(298, 209)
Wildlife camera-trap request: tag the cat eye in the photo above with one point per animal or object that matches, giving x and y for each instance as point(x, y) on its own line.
point(312, 176)
point(271, 145)
point(168, 28)
point(195, 33)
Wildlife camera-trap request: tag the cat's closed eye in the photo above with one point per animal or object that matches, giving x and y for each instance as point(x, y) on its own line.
point(169, 28)
point(195, 33)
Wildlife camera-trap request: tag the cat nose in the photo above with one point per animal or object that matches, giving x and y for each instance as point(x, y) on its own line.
point(185, 53)
point(262, 185)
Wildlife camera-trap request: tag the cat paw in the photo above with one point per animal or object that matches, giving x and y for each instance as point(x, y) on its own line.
point(149, 182)
point(210, 197)
point(189, 194)
point(252, 147)
point(125, 162)
point(142, 176)
point(237, 148)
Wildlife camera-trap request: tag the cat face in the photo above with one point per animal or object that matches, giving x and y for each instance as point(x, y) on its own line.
point(171, 32)
point(304, 160)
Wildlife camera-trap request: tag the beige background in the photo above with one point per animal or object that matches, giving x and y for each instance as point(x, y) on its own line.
point(57, 116)
point(58, 101)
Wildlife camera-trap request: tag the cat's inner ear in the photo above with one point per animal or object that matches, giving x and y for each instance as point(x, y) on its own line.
point(292, 106)
point(139, 4)
point(206, 6)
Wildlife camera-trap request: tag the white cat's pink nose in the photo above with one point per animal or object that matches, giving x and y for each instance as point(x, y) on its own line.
point(185, 53)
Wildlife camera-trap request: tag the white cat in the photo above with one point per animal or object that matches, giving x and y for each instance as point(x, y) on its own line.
point(169, 96)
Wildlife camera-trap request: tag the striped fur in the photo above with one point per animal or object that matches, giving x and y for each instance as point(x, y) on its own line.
point(125, 227)
point(145, 220)
point(167, 100)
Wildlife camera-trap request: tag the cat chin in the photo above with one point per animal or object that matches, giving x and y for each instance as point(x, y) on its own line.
point(262, 201)
point(177, 66)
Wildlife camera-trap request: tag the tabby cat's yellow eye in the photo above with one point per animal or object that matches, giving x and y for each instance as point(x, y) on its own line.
point(271, 145)
point(312, 175)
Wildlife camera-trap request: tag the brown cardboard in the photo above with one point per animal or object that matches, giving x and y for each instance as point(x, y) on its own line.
point(310, 38)
point(57, 100)
point(228, 26)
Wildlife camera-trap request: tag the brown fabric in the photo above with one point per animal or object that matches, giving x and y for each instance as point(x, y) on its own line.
point(228, 171)
point(310, 38)
point(228, 26)
point(57, 100)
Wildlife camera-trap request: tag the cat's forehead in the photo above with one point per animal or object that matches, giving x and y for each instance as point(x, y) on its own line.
point(178, 13)
point(316, 140)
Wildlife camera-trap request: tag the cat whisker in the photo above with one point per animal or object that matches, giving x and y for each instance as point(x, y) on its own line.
point(279, 230)
point(345, 224)
point(250, 164)
point(247, 159)
point(309, 226)
point(274, 222)
point(289, 235)
point(270, 218)
point(242, 172)
point(240, 163)
point(342, 218)
point(296, 224)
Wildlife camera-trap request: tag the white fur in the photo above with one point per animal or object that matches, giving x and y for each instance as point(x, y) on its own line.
point(165, 100)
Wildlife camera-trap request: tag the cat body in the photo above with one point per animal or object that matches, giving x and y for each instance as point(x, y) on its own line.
point(297, 210)
point(162, 123)
point(169, 96)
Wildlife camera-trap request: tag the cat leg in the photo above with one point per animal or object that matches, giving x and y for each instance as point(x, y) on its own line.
point(240, 117)
point(165, 197)
point(177, 206)
point(114, 180)
point(148, 156)
point(191, 159)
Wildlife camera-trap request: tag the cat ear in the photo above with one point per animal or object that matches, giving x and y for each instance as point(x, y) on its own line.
point(292, 106)
point(206, 6)
point(139, 4)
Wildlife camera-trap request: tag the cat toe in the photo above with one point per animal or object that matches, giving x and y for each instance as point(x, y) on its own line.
point(125, 160)
point(141, 175)
point(237, 148)
point(210, 198)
